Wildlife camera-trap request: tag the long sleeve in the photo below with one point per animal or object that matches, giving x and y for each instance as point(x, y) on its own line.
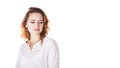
point(18, 62)
point(53, 58)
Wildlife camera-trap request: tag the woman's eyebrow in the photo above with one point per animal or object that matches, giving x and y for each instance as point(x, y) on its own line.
point(40, 20)
point(34, 20)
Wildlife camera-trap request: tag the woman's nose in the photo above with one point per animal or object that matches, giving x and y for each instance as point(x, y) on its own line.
point(36, 24)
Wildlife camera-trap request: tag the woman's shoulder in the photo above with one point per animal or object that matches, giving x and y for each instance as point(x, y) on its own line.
point(49, 39)
point(51, 43)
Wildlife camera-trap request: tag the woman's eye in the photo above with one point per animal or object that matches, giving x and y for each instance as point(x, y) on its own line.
point(40, 22)
point(32, 22)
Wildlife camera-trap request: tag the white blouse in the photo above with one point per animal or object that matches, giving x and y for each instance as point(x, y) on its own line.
point(41, 56)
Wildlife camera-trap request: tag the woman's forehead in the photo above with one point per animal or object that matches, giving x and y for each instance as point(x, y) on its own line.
point(35, 16)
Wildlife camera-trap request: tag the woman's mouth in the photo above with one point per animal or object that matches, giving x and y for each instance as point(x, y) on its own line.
point(36, 29)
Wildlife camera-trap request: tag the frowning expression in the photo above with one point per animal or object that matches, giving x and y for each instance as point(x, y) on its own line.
point(35, 23)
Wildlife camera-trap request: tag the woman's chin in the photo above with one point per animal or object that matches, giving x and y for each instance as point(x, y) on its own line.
point(36, 32)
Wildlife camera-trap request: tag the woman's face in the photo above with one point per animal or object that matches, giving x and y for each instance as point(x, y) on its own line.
point(35, 23)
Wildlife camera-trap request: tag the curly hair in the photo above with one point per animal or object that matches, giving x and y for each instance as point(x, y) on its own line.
point(24, 31)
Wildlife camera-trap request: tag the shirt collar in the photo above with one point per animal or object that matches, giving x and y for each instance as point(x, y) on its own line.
point(37, 44)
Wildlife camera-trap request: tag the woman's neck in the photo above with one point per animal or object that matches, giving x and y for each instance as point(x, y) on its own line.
point(33, 40)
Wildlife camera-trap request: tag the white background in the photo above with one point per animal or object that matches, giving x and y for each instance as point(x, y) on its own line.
point(87, 31)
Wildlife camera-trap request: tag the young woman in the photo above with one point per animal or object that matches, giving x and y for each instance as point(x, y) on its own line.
point(38, 50)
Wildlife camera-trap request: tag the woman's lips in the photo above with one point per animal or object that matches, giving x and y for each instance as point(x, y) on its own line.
point(36, 29)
